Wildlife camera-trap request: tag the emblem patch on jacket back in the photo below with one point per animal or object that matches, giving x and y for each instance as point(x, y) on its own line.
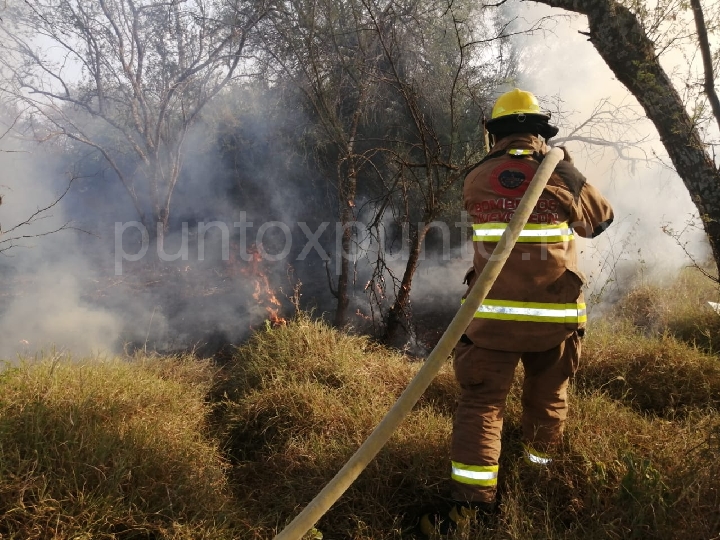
point(511, 178)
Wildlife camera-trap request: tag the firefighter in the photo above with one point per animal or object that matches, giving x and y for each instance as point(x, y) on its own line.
point(534, 312)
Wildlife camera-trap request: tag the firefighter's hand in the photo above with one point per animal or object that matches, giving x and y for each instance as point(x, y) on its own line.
point(566, 154)
point(469, 276)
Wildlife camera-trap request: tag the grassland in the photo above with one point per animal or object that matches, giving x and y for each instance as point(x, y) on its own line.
point(179, 448)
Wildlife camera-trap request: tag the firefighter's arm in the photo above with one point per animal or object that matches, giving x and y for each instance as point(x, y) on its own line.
point(590, 212)
point(596, 213)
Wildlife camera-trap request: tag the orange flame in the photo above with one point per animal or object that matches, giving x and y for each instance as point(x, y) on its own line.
point(263, 293)
point(362, 315)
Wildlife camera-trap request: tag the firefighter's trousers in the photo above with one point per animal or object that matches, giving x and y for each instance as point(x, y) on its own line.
point(485, 377)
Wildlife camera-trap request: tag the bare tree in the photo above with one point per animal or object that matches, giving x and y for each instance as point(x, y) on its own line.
point(327, 48)
point(128, 78)
point(631, 38)
point(433, 68)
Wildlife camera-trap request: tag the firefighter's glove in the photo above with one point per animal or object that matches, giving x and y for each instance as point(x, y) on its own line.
point(566, 154)
point(469, 276)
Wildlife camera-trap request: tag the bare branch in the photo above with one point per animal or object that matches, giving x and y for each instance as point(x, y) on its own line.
point(677, 236)
point(10, 238)
point(11, 126)
point(704, 45)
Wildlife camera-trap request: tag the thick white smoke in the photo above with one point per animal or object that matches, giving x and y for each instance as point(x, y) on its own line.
point(41, 304)
point(649, 199)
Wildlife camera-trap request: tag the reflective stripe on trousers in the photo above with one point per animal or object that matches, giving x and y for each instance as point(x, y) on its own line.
point(550, 233)
point(477, 475)
point(534, 457)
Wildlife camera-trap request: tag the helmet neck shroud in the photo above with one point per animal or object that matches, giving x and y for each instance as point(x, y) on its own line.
point(512, 124)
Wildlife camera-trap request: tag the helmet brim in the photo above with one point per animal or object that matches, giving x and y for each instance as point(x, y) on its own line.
point(522, 123)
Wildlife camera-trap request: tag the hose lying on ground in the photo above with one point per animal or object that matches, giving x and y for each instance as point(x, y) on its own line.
point(381, 434)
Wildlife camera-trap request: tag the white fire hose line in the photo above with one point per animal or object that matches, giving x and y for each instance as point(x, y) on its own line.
point(384, 430)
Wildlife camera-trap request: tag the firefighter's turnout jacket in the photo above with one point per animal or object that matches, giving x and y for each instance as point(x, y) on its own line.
point(537, 300)
point(532, 313)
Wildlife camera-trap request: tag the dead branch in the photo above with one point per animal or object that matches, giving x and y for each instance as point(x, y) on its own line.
point(14, 234)
point(707, 59)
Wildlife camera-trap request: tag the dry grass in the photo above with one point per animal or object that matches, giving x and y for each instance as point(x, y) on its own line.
point(108, 449)
point(656, 374)
point(175, 448)
point(303, 398)
point(621, 475)
point(678, 307)
point(300, 400)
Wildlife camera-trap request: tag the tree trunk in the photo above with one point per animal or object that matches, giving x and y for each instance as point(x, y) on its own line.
point(346, 193)
point(347, 190)
point(343, 299)
point(399, 330)
point(621, 41)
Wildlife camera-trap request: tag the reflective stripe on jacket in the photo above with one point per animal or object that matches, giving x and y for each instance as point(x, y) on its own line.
point(536, 302)
point(508, 310)
point(555, 232)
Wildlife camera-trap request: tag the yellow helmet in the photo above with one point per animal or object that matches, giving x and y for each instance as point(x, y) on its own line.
point(516, 102)
point(518, 111)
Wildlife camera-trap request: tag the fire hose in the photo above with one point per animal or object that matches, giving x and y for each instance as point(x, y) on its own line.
point(322, 502)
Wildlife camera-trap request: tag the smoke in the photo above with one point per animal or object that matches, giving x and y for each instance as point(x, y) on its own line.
point(205, 288)
point(52, 314)
point(654, 214)
point(245, 164)
point(41, 303)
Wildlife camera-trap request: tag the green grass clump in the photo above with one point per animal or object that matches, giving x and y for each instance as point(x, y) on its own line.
point(108, 449)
